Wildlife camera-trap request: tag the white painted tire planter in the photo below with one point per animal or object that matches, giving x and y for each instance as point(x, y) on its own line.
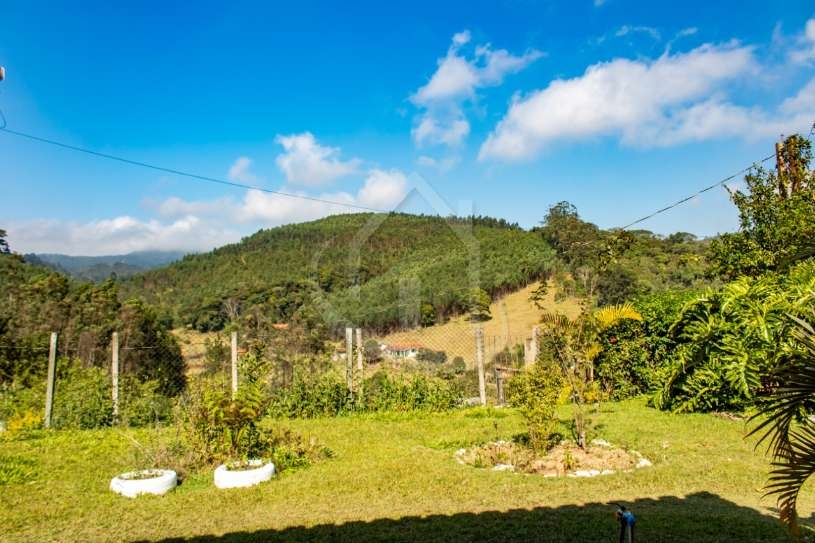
point(241, 478)
point(125, 484)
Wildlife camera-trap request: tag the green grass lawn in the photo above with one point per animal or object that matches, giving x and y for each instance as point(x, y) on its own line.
point(395, 479)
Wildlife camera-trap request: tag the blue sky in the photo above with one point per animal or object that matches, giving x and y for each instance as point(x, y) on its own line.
point(619, 107)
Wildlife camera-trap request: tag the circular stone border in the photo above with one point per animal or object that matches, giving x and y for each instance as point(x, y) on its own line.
point(229, 478)
point(162, 483)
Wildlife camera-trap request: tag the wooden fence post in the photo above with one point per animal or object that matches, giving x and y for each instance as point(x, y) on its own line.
point(349, 359)
point(114, 375)
point(234, 364)
point(49, 386)
point(479, 358)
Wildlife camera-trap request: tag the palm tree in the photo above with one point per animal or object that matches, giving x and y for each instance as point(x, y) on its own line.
point(575, 344)
point(786, 426)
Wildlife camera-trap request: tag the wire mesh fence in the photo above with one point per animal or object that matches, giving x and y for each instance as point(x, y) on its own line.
point(80, 382)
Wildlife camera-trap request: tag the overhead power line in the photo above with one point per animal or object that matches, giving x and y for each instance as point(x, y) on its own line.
point(698, 192)
point(182, 173)
point(711, 187)
point(4, 128)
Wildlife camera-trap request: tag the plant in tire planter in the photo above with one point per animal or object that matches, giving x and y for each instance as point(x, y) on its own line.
point(243, 473)
point(149, 481)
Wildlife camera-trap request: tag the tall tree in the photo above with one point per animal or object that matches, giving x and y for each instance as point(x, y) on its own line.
point(4, 248)
point(776, 216)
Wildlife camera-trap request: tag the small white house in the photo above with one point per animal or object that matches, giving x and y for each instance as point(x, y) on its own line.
point(401, 350)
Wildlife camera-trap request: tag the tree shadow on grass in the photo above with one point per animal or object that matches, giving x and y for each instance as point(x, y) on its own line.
point(697, 518)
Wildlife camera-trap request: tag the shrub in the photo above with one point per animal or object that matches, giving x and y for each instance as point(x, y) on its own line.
point(217, 428)
point(327, 394)
point(635, 351)
point(82, 397)
point(141, 403)
point(536, 392)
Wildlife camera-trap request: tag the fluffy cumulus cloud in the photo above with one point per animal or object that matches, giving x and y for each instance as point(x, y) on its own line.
point(307, 163)
point(455, 81)
point(204, 224)
point(673, 99)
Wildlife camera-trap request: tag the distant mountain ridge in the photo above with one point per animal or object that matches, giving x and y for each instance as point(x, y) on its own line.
point(99, 268)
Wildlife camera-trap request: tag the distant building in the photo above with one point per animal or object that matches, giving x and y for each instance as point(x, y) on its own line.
point(401, 350)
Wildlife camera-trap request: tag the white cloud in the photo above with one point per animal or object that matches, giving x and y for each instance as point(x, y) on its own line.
point(632, 99)
point(806, 45)
point(204, 224)
point(433, 131)
point(176, 207)
point(239, 171)
point(628, 29)
point(306, 162)
point(383, 189)
point(442, 164)
point(119, 235)
point(454, 82)
point(690, 31)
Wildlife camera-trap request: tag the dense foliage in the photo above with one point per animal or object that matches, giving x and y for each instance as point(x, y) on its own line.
point(776, 216)
point(612, 266)
point(730, 341)
point(634, 352)
point(38, 301)
point(375, 271)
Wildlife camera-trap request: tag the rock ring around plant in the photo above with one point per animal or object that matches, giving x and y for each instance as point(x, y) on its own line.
point(147, 481)
point(243, 474)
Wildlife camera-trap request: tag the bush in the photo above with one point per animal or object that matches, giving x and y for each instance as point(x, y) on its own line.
point(218, 428)
point(141, 403)
point(634, 352)
point(327, 394)
point(82, 397)
point(429, 355)
point(383, 392)
point(537, 392)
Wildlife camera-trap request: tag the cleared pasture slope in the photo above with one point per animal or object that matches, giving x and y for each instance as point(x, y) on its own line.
point(513, 317)
point(395, 479)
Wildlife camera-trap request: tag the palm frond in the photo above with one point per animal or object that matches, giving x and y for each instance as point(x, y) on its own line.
point(790, 473)
point(610, 315)
point(789, 401)
point(557, 321)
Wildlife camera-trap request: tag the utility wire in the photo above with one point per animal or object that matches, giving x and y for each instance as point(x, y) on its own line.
point(711, 187)
point(697, 193)
point(4, 128)
point(173, 171)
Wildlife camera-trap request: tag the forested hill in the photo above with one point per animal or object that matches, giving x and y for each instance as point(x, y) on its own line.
point(371, 270)
point(99, 268)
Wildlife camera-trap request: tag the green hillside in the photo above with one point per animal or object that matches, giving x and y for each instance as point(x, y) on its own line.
point(379, 271)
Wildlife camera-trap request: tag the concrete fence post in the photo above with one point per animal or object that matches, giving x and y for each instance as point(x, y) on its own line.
point(49, 385)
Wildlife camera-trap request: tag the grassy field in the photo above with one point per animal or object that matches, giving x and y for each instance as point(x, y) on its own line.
point(394, 478)
point(513, 317)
